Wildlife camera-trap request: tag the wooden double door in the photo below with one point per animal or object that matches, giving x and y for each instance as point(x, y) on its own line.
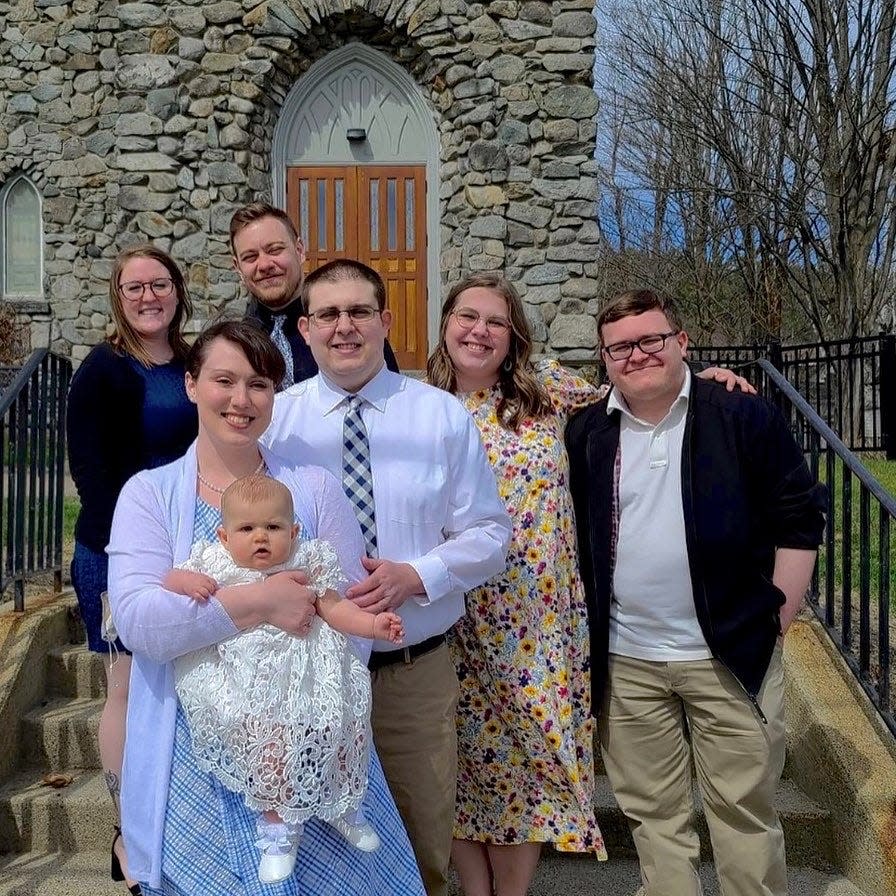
point(376, 214)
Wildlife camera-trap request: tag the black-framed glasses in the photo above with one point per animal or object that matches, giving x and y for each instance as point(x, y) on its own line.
point(161, 288)
point(357, 314)
point(650, 345)
point(468, 318)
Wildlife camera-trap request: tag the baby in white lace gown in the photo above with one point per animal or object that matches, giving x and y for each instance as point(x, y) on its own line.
point(284, 721)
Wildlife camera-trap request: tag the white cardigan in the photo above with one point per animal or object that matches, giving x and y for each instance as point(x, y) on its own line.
point(152, 531)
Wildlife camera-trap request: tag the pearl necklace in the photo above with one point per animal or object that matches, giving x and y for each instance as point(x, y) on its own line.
point(220, 491)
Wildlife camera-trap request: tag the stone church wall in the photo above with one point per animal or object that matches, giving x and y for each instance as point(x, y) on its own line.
point(155, 120)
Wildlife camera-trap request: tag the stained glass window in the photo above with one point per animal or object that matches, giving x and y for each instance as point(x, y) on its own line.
point(21, 230)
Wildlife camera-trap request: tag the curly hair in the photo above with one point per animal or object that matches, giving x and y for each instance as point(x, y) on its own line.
point(521, 394)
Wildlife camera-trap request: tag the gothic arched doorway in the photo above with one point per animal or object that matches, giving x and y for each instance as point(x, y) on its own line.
point(354, 162)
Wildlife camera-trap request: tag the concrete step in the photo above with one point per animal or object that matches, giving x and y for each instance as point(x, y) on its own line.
point(560, 875)
point(78, 817)
point(58, 874)
point(73, 671)
point(87, 874)
point(808, 831)
point(62, 734)
point(73, 819)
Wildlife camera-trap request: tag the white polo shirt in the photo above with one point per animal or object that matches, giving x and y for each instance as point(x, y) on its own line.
point(435, 495)
point(652, 616)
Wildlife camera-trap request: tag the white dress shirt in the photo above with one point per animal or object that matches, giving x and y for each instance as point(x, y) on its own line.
point(435, 496)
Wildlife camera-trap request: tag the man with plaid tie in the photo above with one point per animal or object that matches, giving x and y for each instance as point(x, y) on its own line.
point(268, 255)
point(411, 460)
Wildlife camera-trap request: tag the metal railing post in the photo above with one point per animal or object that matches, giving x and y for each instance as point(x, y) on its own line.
point(858, 557)
point(32, 459)
point(888, 394)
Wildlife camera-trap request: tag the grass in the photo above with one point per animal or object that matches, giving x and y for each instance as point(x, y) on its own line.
point(70, 510)
point(885, 472)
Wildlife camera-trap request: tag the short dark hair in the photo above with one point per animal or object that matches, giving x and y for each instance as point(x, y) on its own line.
point(345, 269)
point(255, 344)
point(255, 211)
point(637, 301)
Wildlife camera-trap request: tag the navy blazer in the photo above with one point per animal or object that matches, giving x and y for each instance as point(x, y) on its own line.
point(746, 490)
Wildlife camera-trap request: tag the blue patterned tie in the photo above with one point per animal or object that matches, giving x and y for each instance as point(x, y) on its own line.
point(279, 338)
point(356, 477)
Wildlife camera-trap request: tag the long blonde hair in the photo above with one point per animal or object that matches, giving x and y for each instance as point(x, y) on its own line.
point(124, 337)
point(521, 394)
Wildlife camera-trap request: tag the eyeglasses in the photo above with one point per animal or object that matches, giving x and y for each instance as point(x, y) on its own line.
point(468, 318)
point(161, 288)
point(650, 345)
point(357, 314)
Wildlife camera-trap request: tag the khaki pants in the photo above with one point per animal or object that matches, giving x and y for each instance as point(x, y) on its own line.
point(416, 739)
point(738, 760)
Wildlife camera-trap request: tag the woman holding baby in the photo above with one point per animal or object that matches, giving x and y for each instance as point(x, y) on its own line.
point(185, 832)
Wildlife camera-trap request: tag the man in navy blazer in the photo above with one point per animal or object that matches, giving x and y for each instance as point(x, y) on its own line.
point(698, 524)
point(268, 255)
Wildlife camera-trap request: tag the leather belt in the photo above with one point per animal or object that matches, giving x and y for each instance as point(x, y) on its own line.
point(380, 658)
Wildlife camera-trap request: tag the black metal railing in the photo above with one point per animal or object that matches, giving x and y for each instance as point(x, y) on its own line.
point(850, 382)
point(852, 591)
point(32, 473)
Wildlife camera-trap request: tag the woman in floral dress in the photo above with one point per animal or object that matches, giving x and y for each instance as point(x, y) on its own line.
point(524, 724)
point(525, 752)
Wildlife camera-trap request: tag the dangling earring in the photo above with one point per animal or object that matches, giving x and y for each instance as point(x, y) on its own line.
point(507, 366)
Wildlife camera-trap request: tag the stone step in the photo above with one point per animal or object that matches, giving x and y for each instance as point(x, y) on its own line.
point(62, 734)
point(78, 817)
point(87, 874)
point(34, 817)
point(73, 671)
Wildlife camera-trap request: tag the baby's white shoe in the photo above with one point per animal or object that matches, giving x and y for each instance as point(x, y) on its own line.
point(279, 843)
point(361, 835)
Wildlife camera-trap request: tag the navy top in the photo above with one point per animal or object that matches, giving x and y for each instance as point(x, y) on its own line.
point(122, 417)
point(164, 411)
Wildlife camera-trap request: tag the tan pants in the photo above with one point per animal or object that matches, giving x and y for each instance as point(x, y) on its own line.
point(414, 732)
point(738, 760)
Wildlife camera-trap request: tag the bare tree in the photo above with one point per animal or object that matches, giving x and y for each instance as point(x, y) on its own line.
point(777, 154)
point(661, 225)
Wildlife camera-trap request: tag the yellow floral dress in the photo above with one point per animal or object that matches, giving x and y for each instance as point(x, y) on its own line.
point(525, 752)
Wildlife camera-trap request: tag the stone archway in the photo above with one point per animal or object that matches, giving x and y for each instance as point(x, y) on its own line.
point(356, 135)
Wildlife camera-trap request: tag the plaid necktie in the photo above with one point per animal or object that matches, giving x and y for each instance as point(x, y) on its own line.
point(278, 337)
point(357, 480)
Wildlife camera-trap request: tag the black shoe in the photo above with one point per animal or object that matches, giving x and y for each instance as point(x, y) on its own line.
point(115, 870)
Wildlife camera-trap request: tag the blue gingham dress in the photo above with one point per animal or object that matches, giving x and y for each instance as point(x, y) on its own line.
point(209, 842)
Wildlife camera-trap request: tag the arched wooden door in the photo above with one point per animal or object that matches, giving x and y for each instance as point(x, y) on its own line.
point(376, 214)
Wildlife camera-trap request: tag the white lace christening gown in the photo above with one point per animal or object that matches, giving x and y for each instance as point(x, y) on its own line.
point(284, 721)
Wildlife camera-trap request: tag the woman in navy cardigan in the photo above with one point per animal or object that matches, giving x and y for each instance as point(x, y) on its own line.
point(127, 411)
